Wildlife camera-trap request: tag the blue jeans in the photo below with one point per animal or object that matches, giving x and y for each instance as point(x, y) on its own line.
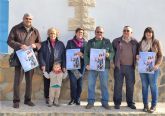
point(127, 72)
point(92, 77)
point(75, 87)
point(150, 80)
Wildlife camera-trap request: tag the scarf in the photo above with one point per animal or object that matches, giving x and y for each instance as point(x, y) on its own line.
point(79, 42)
point(146, 45)
point(52, 42)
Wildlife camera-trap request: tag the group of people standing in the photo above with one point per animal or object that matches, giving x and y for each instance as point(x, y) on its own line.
point(124, 51)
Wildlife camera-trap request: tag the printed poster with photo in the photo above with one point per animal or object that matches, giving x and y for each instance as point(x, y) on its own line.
point(72, 59)
point(97, 59)
point(146, 62)
point(27, 58)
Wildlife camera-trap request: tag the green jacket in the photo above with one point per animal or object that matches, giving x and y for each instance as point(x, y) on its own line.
point(106, 44)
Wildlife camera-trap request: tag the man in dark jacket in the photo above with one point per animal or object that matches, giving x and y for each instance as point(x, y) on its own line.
point(125, 48)
point(22, 36)
point(98, 42)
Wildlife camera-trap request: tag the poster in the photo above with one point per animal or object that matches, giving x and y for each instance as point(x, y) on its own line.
point(146, 62)
point(72, 60)
point(97, 59)
point(27, 58)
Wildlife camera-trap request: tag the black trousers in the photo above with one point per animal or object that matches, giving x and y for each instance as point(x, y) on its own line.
point(46, 87)
point(19, 74)
point(128, 73)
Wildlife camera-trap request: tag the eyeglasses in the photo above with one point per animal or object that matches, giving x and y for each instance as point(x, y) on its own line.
point(99, 32)
point(28, 19)
point(126, 30)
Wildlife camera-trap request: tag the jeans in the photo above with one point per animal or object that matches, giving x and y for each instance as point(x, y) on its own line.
point(92, 77)
point(128, 72)
point(150, 80)
point(75, 86)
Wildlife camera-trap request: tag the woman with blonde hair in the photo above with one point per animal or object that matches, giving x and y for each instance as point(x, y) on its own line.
point(52, 50)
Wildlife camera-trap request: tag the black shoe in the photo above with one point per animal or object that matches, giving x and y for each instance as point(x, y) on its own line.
point(16, 105)
point(47, 100)
point(132, 106)
point(146, 108)
point(29, 103)
point(152, 109)
point(117, 106)
point(107, 107)
point(71, 102)
point(89, 106)
point(77, 102)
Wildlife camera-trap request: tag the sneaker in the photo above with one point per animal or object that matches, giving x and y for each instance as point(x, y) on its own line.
point(107, 107)
point(71, 102)
point(152, 109)
point(146, 108)
point(117, 106)
point(132, 106)
point(16, 105)
point(89, 106)
point(29, 103)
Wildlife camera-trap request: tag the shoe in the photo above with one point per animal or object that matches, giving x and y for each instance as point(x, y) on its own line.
point(89, 106)
point(132, 106)
point(29, 103)
point(57, 105)
point(146, 108)
point(47, 100)
point(16, 105)
point(152, 109)
point(117, 106)
point(50, 105)
point(71, 102)
point(77, 102)
point(107, 107)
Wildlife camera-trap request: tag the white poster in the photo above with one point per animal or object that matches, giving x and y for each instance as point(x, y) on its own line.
point(27, 58)
point(146, 62)
point(97, 59)
point(72, 59)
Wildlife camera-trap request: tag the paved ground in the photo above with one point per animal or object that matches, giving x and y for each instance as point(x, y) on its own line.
point(41, 107)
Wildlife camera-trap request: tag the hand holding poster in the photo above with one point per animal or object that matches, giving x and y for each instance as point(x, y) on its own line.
point(27, 58)
point(72, 59)
point(146, 62)
point(97, 59)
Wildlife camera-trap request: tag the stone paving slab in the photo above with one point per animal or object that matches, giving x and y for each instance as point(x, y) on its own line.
point(41, 109)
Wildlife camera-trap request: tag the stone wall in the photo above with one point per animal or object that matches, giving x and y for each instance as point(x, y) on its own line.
point(6, 84)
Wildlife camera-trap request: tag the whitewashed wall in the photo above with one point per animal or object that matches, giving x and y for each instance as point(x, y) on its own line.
point(111, 14)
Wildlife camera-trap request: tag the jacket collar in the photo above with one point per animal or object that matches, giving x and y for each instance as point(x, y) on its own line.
point(21, 25)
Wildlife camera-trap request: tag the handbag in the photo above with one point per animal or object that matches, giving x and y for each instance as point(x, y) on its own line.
point(13, 60)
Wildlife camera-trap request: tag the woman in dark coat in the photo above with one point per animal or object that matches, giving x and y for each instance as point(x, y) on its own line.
point(75, 76)
point(52, 50)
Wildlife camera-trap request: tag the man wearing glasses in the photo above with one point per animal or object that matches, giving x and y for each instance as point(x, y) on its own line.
point(21, 36)
point(125, 48)
point(98, 42)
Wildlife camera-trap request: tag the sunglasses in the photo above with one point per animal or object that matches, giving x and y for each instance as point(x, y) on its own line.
point(126, 30)
point(99, 32)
